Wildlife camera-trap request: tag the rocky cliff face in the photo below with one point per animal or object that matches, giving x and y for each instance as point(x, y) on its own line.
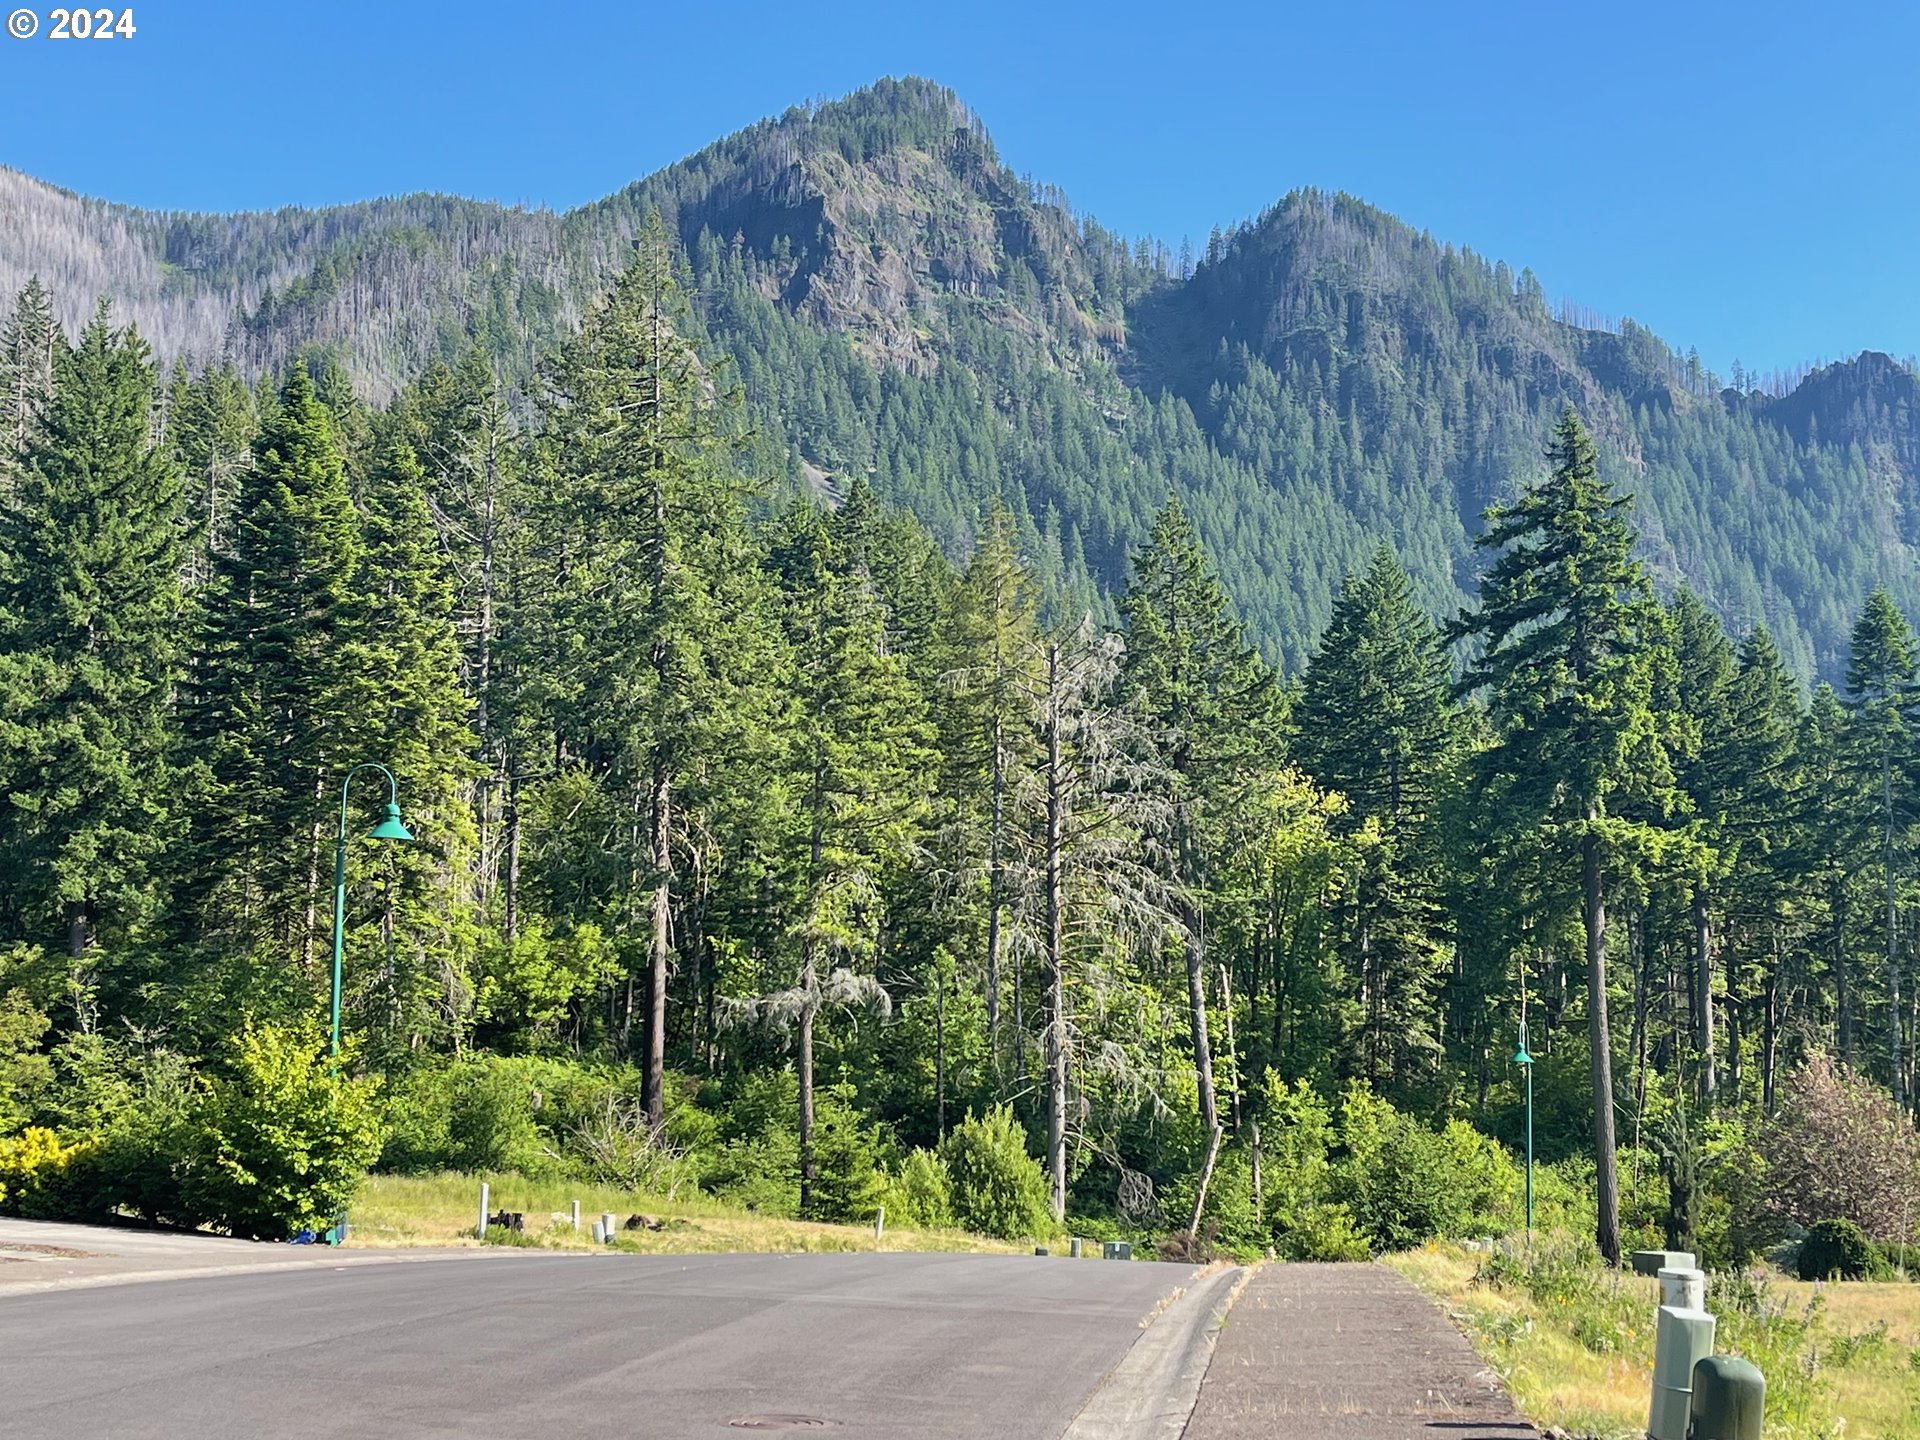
point(873, 216)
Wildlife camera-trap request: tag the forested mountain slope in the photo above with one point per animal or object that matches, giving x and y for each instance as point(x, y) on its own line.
point(900, 306)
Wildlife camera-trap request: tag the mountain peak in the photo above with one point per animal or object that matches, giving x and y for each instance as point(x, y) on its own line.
point(902, 307)
point(883, 213)
point(908, 111)
point(1872, 401)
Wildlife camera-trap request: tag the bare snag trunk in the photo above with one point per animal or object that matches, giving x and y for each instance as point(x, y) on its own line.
point(1703, 993)
point(1606, 1174)
point(653, 1082)
point(1056, 941)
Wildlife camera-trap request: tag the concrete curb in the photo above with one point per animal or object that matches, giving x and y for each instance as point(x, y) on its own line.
point(1151, 1392)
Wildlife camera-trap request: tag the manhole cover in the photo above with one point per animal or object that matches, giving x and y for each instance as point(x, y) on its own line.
point(779, 1422)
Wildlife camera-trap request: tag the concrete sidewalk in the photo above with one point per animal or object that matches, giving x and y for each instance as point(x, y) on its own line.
point(48, 1255)
point(1346, 1352)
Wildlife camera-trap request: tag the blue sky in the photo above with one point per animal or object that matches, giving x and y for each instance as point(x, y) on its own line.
point(1744, 179)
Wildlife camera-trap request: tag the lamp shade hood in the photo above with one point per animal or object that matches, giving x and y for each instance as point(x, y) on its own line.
point(390, 827)
point(1520, 1055)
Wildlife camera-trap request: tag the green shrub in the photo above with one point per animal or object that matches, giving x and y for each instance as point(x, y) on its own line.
point(528, 985)
point(1837, 1249)
point(38, 1174)
point(281, 1140)
point(531, 1115)
point(1239, 1225)
point(755, 1163)
point(619, 1145)
point(849, 1160)
point(414, 1120)
point(1394, 1177)
point(1489, 1187)
point(760, 1173)
point(998, 1189)
point(1296, 1133)
point(1325, 1232)
point(490, 1124)
point(1897, 1258)
point(141, 1153)
point(1405, 1184)
point(24, 1068)
point(920, 1192)
point(135, 1104)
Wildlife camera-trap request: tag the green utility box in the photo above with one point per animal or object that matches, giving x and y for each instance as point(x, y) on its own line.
point(1729, 1395)
point(1652, 1262)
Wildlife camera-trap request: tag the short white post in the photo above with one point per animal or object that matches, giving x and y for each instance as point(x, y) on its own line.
point(599, 1233)
point(606, 1224)
point(1683, 1337)
point(880, 1223)
point(576, 1215)
point(1683, 1287)
point(481, 1228)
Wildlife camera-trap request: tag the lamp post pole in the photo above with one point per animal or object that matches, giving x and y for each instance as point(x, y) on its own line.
point(389, 828)
point(1525, 1061)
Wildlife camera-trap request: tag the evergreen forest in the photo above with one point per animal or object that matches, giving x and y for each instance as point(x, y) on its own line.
point(752, 843)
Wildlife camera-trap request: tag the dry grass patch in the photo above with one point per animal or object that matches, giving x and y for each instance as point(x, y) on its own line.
point(1872, 1350)
point(1574, 1343)
point(1553, 1377)
point(443, 1209)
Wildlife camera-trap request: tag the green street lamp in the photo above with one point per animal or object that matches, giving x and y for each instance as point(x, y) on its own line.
point(389, 828)
point(1525, 1062)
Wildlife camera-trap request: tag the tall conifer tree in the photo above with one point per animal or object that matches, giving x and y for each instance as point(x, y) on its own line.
point(278, 699)
point(211, 425)
point(1704, 672)
point(1774, 857)
point(1882, 662)
point(1213, 705)
point(1376, 722)
point(89, 651)
point(417, 710)
point(988, 734)
point(658, 629)
point(30, 349)
point(860, 773)
point(1564, 624)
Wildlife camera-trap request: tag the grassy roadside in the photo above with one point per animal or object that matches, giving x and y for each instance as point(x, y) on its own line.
point(441, 1210)
point(1574, 1343)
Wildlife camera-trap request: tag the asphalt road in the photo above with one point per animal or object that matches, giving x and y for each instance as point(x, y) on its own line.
point(909, 1347)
